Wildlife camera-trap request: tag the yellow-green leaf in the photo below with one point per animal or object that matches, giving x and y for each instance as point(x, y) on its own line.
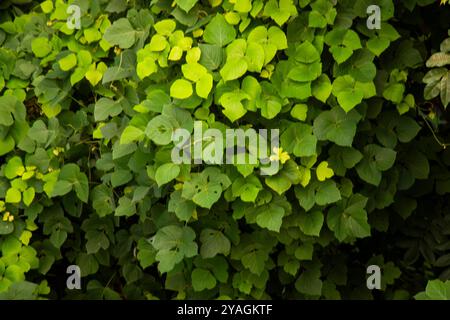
point(68, 62)
point(181, 89)
point(323, 172)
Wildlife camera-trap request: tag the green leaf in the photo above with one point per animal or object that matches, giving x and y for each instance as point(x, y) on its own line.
point(243, 6)
point(158, 43)
point(96, 240)
point(306, 53)
point(279, 12)
point(41, 47)
point(71, 174)
point(271, 108)
point(131, 134)
point(68, 62)
point(181, 89)
point(87, 263)
point(341, 54)
point(146, 253)
point(438, 290)
point(116, 6)
point(176, 54)
point(376, 159)
point(186, 5)
point(204, 85)
point(304, 252)
point(166, 173)
point(105, 108)
point(81, 186)
point(351, 40)
point(349, 218)
point(234, 109)
point(6, 227)
point(445, 45)
point(165, 27)
point(10, 246)
point(92, 35)
point(61, 188)
point(14, 168)
point(38, 132)
point(316, 20)
point(214, 243)
point(173, 244)
point(205, 189)
point(277, 37)
point(6, 145)
point(337, 126)
point(311, 223)
point(309, 283)
point(146, 67)
point(193, 71)
point(254, 56)
point(126, 208)
point(211, 56)
point(219, 32)
point(120, 177)
point(394, 92)
point(327, 193)
point(47, 6)
point(156, 100)
point(202, 279)
point(160, 129)
point(271, 217)
point(208, 196)
point(299, 140)
point(184, 209)
point(299, 112)
point(321, 88)
point(407, 129)
point(305, 72)
point(342, 43)
point(28, 196)
point(247, 189)
point(13, 196)
point(278, 183)
point(378, 45)
point(102, 200)
point(121, 33)
point(349, 99)
point(233, 69)
point(445, 89)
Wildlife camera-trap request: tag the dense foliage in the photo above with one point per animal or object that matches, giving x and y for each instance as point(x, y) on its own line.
point(86, 121)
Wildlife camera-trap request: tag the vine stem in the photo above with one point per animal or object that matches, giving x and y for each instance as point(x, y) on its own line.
point(109, 281)
point(120, 66)
point(442, 144)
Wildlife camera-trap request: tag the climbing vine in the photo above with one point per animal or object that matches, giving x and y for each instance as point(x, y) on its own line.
point(92, 92)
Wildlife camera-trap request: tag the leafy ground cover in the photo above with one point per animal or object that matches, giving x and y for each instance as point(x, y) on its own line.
point(86, 175)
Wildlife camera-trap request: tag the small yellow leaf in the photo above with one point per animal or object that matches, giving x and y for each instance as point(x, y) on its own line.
point(175, 53)
point(197, 33)
point(25, 237)
point(27, 175)
point(215, 3)
point(323, 172)
point(193, 55)
point(93, 75)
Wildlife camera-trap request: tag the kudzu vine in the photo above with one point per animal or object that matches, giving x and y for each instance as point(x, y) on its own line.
point(92, 91)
